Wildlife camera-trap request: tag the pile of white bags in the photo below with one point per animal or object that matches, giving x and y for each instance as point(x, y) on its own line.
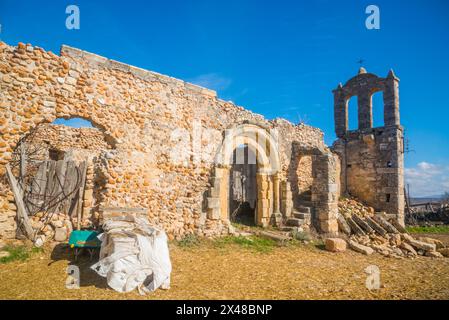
point(134, 255)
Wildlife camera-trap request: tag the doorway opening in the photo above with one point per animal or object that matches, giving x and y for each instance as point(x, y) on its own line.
point(243, 186)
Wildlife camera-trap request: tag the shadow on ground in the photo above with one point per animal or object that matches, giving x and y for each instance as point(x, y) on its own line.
point(88, 277)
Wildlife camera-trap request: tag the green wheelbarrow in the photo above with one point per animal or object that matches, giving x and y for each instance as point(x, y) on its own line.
point(84, 239)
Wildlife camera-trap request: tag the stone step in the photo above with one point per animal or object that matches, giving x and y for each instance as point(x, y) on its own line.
point(301, 215)
point(304, 209)
point(288, 228)
point(295, 222)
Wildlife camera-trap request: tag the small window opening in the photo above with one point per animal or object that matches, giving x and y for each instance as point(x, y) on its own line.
point(55, 154)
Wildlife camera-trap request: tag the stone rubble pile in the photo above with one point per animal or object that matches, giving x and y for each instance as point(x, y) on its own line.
point(348, 207)
point(8, 209)
point(368, 232)
point(56, 226)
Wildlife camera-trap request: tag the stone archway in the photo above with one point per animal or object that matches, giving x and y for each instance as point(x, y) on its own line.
point(263, 142)
point(55, 165)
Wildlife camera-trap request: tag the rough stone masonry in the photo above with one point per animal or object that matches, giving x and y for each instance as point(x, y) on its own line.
point(167, 146)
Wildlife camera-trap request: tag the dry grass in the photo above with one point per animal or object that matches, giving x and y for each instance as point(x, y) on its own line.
point(233, 270)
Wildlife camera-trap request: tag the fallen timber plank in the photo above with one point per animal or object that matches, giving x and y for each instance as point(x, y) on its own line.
point(69, 188)
point(386, 225)
point(365, 226)
point(373, 224)
point(22, 213)
point(343, 225)
point(79, 208)
point(23, 163)
point(398, 226)
point(38, 185)
point(355, 227)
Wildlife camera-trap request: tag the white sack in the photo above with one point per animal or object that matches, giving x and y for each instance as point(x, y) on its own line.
point(134, 255)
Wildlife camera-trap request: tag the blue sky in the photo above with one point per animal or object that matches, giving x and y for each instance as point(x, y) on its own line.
point(278, 58)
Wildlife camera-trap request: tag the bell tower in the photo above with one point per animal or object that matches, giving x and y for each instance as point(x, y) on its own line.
point(372, 159)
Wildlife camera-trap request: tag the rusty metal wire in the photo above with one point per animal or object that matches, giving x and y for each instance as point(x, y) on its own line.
point(35, 199)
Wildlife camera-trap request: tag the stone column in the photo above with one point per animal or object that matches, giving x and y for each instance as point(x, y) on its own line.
point(340, 112)
point(276, 218)
point(287, 199)
point(365, 113)
point(276, 190)
point(325, 193)
point(263, 201)
point(391, 100)
point(217, 200)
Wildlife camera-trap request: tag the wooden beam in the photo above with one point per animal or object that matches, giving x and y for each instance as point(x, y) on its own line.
point(23, 166)
point(83, 169)
point(22, 214)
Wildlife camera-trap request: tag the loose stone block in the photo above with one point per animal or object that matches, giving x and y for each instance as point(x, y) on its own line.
point(335, 245)
point(360, 248)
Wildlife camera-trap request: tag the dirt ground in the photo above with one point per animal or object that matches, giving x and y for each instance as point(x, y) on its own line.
point(206, 271)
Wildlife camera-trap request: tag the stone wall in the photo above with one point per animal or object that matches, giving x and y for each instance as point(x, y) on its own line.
point(372, 160)
point(76, 143)
point(166, 132)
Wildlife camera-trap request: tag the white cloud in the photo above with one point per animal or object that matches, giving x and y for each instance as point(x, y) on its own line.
point(212, 81)
point(427, 179)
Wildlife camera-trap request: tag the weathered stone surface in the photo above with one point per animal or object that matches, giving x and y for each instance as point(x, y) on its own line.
point(438, 244)
point(335, 245)
point(422, 245)
point(360, 248)
point(395, 239)
point(444, 252)
point(57, 224)
point(60, 234)
point(408, 248)
point(433, 254)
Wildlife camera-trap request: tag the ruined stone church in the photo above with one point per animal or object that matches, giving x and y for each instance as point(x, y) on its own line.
point(187, 160)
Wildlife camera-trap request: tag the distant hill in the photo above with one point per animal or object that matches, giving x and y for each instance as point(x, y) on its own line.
point(414, 200)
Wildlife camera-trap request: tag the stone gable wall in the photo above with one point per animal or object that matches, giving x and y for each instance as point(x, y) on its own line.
point(151, 119)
